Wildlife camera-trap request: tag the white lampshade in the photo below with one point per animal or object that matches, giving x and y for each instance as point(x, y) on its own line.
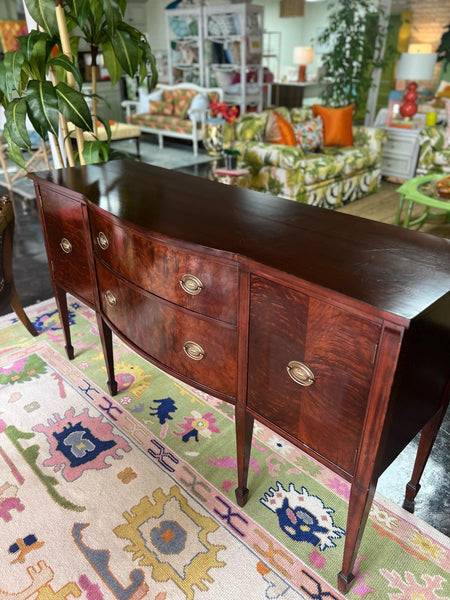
point(415, 66)
point(303, 55)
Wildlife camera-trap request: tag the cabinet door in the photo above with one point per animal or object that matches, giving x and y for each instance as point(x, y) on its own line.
point(68, 243)
point(330, 352)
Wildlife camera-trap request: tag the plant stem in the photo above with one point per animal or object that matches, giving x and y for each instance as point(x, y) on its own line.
point(94, 53)
point(65, 132)
point(65, 42)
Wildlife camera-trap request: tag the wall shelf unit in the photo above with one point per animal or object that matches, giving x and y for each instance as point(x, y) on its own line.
point(185, 45)
point(233, 56)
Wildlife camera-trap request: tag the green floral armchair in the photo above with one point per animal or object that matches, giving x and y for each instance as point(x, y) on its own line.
point(434, 156)
point(329, 177)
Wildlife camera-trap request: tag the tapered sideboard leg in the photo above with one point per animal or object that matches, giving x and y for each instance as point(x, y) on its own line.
point(106, 338)
point(61, 303)
point(244, 434)
point(358, 511)
point(427, 438)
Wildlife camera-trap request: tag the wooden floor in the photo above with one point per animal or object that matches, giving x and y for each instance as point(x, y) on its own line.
point(382, 206)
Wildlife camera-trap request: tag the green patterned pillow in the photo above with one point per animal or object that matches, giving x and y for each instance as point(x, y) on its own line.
point(301, 114)
point(251, 126)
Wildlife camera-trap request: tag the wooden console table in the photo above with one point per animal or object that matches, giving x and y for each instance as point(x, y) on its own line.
point(332, 330)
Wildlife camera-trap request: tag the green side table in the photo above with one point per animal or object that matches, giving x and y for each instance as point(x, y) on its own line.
point(421, 190)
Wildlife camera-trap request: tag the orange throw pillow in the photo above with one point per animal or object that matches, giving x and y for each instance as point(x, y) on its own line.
point(279, 131)
point(337, 124)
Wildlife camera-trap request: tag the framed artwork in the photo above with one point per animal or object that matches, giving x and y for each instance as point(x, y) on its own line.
point(393, 113)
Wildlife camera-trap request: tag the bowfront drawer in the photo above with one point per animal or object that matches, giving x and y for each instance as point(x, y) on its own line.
point(310, 369)
point(68, 243)
point(200, 348)
point(202, 284)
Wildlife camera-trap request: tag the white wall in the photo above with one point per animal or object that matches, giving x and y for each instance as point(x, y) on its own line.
point(295, 31)
point(156, 24)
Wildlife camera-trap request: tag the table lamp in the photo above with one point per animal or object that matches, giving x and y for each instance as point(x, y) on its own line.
point(413, 66)
point(303, 55)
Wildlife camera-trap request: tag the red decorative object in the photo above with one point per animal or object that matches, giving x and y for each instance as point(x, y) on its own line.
point(409, 108)
point(229, 113)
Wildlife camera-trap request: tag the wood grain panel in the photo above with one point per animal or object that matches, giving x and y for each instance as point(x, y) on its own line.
point(64, 219)
point(338, 347)
point(159, 267)
point(161, 329)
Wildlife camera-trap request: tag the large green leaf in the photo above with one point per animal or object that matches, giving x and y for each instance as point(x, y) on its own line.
point(14, 151)
point(3, 84)
point(13, 62)
point(126, 50)
point(63, 62)
point(96, 151)
point(36, 47)
point(113, 11)
point(115, 69)
point(16, 113)
point(43, 12)
point(72, 105)
point(42, 104)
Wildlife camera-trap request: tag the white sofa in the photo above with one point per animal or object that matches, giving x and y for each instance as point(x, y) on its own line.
point(177, 111)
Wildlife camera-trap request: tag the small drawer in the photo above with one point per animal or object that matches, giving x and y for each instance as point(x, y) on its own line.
point(395, 165)
point(205, 285)
point(199, 348)
point(68, 243)
point(399, 146)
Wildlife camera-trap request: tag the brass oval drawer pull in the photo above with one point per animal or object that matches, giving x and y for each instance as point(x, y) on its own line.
point(194, 350)
point(300, 373)
point(191, 284)
point(102, 240)
point(66, 246)
point(110, 298)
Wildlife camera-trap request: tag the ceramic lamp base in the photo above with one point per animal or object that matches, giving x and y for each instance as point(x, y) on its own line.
point(302, 73)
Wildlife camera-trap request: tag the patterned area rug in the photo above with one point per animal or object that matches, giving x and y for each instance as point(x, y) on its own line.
point(133, 496)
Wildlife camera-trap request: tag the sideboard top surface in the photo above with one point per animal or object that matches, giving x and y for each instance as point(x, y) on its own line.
point(396, 270)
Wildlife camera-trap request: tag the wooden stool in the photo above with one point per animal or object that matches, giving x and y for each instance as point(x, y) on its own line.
point(37, 157)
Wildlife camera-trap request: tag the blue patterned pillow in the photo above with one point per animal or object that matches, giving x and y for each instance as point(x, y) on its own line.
point(309, 134)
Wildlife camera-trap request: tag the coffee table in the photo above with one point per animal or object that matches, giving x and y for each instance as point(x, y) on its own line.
point(420, 190)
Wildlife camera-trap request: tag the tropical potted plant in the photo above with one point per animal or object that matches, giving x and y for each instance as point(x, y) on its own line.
point(41, 80)
point(354, 38)
point(443, 52)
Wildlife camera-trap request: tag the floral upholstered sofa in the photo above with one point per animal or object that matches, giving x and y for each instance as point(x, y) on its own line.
point(434, 154)
point(329, 176)
point(177, 111)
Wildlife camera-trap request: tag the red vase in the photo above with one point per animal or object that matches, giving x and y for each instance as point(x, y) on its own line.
point(409, 107)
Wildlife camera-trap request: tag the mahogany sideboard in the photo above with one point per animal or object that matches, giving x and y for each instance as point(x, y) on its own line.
point(332, 330)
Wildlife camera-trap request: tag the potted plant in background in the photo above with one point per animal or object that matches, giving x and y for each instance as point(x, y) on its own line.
point(443, 53)
point(42, 81)
point(354, 38)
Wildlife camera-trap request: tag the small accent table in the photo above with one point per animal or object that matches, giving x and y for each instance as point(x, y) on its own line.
point(421, 190)
point(400, 153)
point(239, 177)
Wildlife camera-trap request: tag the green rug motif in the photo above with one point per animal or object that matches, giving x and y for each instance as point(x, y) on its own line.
point(133, 496)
